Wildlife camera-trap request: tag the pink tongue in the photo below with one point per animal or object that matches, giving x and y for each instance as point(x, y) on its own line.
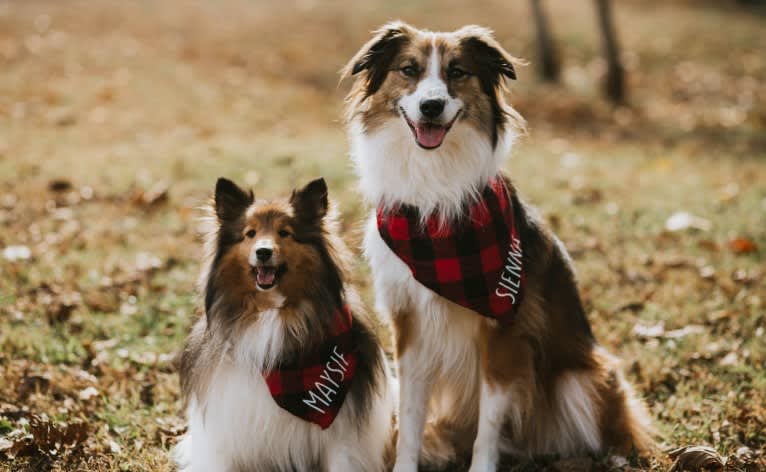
point(265, 275)
point(430, 136)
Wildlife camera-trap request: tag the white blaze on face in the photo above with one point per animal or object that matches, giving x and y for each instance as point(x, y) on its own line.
point(262, 243)
point(430, 131)
point(265, 273)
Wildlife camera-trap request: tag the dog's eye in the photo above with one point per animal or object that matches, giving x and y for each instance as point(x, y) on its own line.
point(250, 234)
point(409, 71)
point(456, 73)
point(283, 233)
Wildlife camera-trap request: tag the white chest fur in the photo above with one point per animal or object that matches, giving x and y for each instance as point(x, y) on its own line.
point(447, 353)
point(240, 426)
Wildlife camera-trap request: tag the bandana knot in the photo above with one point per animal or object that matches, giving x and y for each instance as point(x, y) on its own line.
point(475, 262)
point(314, 387)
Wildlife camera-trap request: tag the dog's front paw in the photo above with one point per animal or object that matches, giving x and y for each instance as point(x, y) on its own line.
point(482, 465)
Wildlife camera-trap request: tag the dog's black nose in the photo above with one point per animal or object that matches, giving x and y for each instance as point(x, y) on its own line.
point(263, 254)
point(432, 107)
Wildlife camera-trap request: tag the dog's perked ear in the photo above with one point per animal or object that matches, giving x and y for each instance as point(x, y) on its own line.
point(230, 200)
point(310, 202)
point(375, 57)
point(491, 61)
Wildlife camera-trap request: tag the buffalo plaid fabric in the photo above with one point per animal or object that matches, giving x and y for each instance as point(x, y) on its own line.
point(315, 387)
point(475, 262)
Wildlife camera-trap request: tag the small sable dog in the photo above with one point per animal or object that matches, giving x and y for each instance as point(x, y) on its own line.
point(492, 342)
point(283, 372)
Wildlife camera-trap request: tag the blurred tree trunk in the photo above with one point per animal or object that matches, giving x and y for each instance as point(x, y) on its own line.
point(549, 67)
point(615, 74)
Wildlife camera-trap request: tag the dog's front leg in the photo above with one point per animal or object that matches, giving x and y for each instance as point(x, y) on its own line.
point(507, 377)
point(414, 392)
point(494, 402)
point(353, 458)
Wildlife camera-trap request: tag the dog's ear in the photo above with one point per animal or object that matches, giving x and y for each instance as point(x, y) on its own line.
point(374, 59)
point(230, 200)
point(491, 61)
point(310, 202)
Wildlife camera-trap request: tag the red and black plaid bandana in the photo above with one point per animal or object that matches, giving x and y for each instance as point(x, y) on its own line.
point(476, 262)
point(314, 389)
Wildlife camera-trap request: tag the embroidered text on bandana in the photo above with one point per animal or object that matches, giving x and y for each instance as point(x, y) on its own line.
point(315, 389)
point(476, 263)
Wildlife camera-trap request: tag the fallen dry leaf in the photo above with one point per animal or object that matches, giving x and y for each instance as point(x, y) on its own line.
point(30, 384)
point(16, 253)
point(87, 393)
point(147, 393)
point(52, 436)
point(707, 272)
point(155, 196)
point(742, 245)
point(59, 185)
point(695, 458)
point(114, 448)
point(60, 309)
point(5, 444)
point(102, 301)
point(682, 220)
point(653, 331)
point(709, 244)
point(48, 438)
point(683, 332)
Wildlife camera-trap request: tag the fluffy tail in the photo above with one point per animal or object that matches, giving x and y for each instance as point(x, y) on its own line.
point(626, 423)
point(637, 419)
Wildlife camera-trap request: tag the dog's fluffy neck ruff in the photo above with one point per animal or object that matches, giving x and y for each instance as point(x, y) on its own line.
point(393, 170)
point(264, 342)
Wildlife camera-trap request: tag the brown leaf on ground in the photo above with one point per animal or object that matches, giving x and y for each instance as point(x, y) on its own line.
point(49, 436)
point(153, 197)
point(60, 310)
point(30, 384)
point(147, 393)
point(742, 245)
point(102, 301)
point(20, 448)
point(59, 185)
point(169, 428)
point(694, 458)
point(709, 244)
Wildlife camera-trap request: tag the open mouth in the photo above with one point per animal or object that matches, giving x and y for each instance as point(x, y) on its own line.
point(266, 277)
point(429, 135)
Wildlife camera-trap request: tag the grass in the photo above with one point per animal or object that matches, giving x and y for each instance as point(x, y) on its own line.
point(116, 117)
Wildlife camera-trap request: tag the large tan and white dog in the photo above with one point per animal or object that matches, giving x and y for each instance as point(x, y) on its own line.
point(429, 129)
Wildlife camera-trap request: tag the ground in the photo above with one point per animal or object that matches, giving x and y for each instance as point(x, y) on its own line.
point(116, 118)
